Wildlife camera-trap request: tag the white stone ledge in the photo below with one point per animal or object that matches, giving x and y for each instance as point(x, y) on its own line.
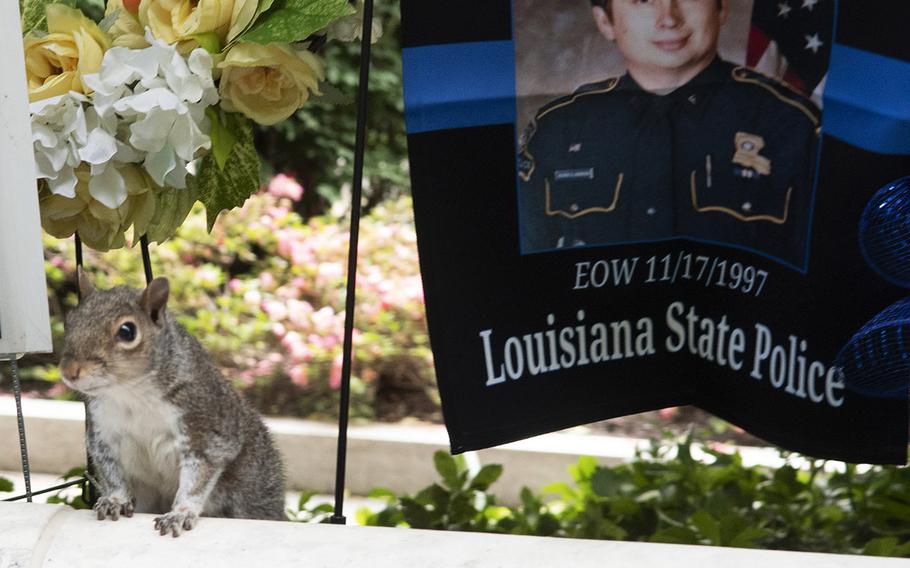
point(51, 536)
point(398, 457)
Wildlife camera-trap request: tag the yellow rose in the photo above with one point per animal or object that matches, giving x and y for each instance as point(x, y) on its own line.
point(267, 83)
point(99, 227)
point(56, 62)
point(179, 20)
point(126, 31)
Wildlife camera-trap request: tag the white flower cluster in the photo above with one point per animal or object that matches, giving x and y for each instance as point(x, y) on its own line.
point(148, 107)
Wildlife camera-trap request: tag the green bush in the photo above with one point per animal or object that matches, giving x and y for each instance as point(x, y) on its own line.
point(264, 293)
point(664, 495)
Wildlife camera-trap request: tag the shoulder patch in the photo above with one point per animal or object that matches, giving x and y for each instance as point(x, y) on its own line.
point(587, 89)
point(781, 90)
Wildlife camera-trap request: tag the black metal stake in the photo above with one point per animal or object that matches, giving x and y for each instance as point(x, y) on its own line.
point(357, 190)
point(20, 420)
point(89, 491)
point(146, 259)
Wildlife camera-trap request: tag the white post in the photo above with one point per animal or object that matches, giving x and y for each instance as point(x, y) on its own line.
point(24, 321)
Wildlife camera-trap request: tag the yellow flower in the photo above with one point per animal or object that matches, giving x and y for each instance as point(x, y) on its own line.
point(98, 226)
point(267, 83)
point(56, 62)
point(179, 20)
point(126, 31)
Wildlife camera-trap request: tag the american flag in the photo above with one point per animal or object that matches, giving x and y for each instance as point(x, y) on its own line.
point(791, 41)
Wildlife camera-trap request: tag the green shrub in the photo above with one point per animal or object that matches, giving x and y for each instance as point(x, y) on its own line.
point(664, 495)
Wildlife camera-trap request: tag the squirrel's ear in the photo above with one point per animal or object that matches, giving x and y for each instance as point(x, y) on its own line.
point(154, 298)
point(85, 283)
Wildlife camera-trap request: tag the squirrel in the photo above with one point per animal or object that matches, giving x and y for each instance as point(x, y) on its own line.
point(168, 435)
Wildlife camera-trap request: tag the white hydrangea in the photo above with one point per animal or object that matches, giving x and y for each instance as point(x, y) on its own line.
point(59, 130)
point(152, 101)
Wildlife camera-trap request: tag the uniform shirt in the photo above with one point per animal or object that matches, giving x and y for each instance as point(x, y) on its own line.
point(728, 158)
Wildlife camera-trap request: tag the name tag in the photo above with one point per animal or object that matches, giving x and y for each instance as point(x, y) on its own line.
point(578, 173)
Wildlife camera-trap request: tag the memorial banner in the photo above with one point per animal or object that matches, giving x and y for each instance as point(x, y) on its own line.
point(625, 205)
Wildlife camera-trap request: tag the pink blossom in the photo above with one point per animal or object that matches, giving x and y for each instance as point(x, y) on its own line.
point(234, 285)
point(331, 270)
point(335, 373)
point(324, 319)
point(279, 330)
point(298, 376)
point(275, 309)
point(667, 413)
point(266, 281)
point(285, 186)
point(298, 312)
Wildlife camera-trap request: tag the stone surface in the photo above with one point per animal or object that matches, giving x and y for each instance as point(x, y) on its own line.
point(75, 539)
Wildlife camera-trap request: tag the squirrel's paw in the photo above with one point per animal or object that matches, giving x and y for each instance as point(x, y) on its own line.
point(113, 507)
point(176, 522)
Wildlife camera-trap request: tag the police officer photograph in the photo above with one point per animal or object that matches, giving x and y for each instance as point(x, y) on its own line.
point(683, 136)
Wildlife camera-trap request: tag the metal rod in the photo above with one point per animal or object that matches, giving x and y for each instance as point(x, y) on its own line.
point(48, 490)
point(357, 190)
point(78, 254)
point(88, 490)
point(20, 420)
point(146, 259)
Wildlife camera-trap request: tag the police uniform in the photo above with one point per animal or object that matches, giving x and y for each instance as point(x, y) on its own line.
point(728, 157)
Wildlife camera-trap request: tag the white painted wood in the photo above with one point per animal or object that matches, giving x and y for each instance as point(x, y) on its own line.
point(24, 322)
point(46, 535)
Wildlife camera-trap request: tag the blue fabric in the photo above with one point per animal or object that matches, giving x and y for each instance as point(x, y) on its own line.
point(473, 84)
point(867, 100)
point(459, 85)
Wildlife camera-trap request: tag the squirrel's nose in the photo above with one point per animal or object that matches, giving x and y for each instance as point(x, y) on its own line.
point(71, 371)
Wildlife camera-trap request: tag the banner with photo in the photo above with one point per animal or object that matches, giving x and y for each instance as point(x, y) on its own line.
point(623, 206)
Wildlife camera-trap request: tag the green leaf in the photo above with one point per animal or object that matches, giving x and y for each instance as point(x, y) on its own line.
point(584, 469)
point(604, 482)
point(884, 546)
point(5, 485)
point(78, 471)
point(225, 131)
point(461, 509)
point(208, 41)
point(295, 20)
point(33, 16)
point(707, 525)
point(674, 535)
point(382, 493)
point(171, 208)
point(415, 514)
point(748, 537)
point(364, 516)
point(445, 465)
point(304, 497)
point(486, 477)
point(225, 189)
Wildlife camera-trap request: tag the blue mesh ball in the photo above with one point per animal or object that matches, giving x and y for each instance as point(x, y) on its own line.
point(876, 360)
point(884, 232)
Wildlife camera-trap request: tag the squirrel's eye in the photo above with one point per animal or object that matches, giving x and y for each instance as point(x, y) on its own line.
point(127, 332)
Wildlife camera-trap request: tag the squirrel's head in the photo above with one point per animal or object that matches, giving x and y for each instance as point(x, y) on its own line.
point(109, 338)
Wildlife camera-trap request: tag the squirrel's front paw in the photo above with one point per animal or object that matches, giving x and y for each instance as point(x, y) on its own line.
point(113, 507)
point(175, 522)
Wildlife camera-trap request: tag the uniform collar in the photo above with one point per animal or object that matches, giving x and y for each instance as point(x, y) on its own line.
point(691, 97)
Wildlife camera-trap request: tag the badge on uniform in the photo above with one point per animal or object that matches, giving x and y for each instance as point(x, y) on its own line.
point(748, 148)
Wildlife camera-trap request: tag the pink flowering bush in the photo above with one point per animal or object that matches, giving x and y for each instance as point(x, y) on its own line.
point(265, 293)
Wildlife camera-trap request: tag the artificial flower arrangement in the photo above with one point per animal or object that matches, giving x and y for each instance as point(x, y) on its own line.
point(138, 116)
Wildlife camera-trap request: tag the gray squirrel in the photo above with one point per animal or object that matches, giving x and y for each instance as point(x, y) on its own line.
point(168, 434)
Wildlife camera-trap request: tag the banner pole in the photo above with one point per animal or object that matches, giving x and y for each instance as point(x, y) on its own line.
point(356, 192)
